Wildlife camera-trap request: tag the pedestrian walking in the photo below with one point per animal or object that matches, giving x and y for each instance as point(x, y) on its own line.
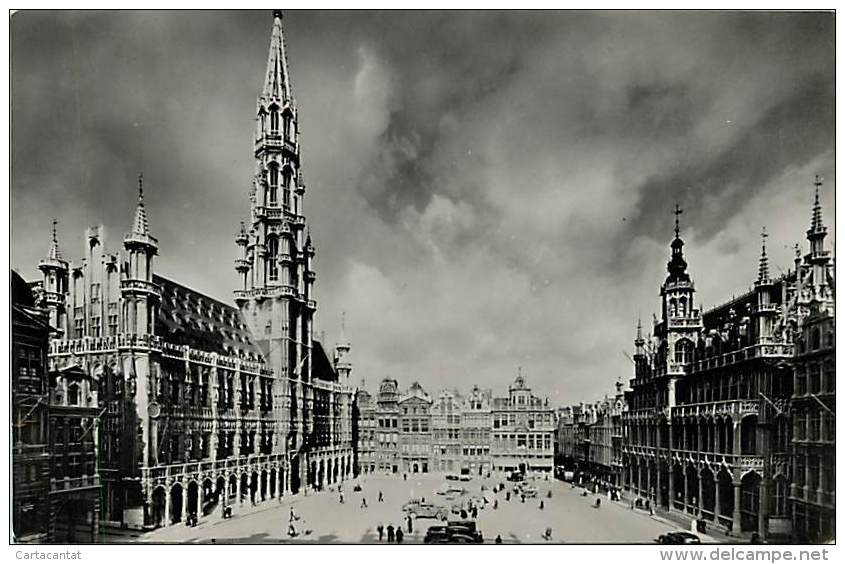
point(380, 496)
point(399, 535)
point(498, 539)
point(541, 505)
point(410, 525)
point(390, 534)
point(507, 496)
point(363, 502)
point(341, 497)
point(380, 530)
point(474, 512)
point(547, 534)
point(522, 497)
point(292, 515)
point(495, 504)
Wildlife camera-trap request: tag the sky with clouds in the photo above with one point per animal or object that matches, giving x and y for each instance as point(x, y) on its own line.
point(486, 190)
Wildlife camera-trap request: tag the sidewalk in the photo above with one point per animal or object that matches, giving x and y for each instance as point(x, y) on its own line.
point(683, 522)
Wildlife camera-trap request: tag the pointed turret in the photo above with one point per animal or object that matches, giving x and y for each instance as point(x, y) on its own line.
point(54, 254)
point(140, 234)
point(817, 231)
point(55, 282)
point(276, 81)
point(138, 288)
point(639, 342)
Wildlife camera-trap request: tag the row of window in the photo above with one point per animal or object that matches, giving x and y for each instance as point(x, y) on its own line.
point(415, 425)
point(813, 425)
point(522, 440)
point(815, 378)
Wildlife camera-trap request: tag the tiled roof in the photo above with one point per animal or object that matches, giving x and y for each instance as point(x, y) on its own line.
point(187, 317)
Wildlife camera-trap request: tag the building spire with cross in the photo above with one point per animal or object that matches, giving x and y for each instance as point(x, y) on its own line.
point(677, 266)
point(677, 211)
point(763, 272)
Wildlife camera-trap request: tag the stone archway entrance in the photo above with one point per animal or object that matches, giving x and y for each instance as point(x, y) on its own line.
point(158, 507)
point(193, 498)
point(176, 494)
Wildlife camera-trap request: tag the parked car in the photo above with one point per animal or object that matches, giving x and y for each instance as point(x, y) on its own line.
point(421, 510)
point(458, 538)
point(452, 477)
point(678, 537)
point(452, 534)
point(464, 477)
point(528, 491)
point(467, 528)
point(515, 477)
point(436, 534)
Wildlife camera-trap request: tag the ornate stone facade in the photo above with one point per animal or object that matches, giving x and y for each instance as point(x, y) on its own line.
point(206, 405)
point(707, 426)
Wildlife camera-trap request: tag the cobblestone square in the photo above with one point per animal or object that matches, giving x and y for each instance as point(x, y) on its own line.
point(569, 514)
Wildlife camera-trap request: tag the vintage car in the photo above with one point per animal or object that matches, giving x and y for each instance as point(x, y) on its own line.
point(422, 510)
point(457, 532)
point(528, 491)
point(465, 527)
point(678, 537)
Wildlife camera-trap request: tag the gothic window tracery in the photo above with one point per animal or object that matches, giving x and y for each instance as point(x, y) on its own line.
point(683, 351)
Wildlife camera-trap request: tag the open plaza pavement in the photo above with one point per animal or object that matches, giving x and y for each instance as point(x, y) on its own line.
point(570, 515)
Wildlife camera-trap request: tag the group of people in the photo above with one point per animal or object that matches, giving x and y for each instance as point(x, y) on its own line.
point(394, 534)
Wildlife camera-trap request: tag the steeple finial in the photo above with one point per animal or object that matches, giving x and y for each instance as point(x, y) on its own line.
point(677, 211)
point(276, 82)
point(54, 253)
point(141, 226)
point(677, 266)
point(763, 273)
point(816, 225)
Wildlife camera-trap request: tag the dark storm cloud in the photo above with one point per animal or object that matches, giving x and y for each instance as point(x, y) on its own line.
point(485, 189)
point(792, 132)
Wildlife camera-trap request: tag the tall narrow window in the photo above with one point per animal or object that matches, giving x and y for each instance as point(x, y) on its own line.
point(286, 124)
point(286, 188)
point(272, 252)
point(274, 121)
point(273, 193)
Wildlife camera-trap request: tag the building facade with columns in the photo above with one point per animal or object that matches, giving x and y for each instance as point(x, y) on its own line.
point(204, 404)
point(708, 422)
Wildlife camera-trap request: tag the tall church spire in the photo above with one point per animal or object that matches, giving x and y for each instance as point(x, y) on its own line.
point(276, 81)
